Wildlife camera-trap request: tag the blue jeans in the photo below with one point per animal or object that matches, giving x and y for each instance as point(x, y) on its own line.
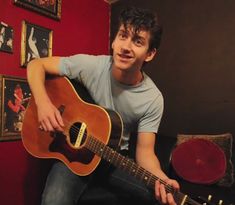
point(65, 188)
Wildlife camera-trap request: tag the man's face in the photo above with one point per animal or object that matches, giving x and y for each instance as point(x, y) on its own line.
point(130, 50)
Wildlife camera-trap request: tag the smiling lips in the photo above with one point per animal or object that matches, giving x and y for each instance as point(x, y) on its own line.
point(124, 57)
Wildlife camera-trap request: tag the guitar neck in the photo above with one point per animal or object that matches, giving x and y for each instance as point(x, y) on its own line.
point(134, 169)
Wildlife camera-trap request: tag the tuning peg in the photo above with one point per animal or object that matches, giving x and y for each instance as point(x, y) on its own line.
point(209, 197)
point(220, 202)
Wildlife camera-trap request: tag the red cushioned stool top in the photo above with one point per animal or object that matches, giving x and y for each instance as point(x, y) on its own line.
point(199, 161)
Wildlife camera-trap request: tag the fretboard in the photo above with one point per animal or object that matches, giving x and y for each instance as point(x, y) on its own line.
point(129, 166)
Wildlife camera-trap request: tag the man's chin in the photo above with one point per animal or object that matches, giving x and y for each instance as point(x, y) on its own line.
point(122, 65)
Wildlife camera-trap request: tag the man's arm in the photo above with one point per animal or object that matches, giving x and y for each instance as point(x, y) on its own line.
point(48, 115)
point(146, 157)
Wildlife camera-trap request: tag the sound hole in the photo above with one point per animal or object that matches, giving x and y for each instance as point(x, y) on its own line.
point(77, 133)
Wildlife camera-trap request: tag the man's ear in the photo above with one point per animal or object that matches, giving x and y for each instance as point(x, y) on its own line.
point(151, 54)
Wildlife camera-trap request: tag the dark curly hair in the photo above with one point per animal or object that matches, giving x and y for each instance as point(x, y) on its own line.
point(142, 19)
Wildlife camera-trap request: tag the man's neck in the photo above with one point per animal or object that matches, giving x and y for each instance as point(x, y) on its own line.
point(127, 77)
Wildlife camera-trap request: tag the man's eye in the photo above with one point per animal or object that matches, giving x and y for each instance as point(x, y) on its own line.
point(138, 42)
point(122, 36)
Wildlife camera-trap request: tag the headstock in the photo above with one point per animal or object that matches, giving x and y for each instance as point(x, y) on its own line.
point(209, 201)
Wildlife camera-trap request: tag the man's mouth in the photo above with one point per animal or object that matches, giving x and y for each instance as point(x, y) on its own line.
point(124, 57)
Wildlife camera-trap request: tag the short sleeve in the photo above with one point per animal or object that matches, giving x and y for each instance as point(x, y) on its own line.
point(151, 120)
point(73, 66)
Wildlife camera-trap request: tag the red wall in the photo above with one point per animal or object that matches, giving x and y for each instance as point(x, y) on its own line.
point(83, 28)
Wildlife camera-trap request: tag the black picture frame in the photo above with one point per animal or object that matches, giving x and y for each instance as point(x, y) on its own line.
point(15, 95)
point(49, 8)
point(6, 38)
point(36, 42)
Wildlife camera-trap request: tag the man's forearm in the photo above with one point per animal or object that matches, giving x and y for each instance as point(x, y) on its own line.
point(36, 78)
point(36, 72)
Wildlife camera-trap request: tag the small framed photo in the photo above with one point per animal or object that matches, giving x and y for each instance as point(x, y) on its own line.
point(6, 38)
point(36, 42)
point(15, 95)
point(49, 8)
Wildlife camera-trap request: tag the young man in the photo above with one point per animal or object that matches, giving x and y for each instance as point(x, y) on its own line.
point(116, 82)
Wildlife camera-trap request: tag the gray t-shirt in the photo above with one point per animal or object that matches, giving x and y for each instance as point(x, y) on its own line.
point(140, 106)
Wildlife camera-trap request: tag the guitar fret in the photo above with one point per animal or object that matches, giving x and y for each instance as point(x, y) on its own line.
point(129, 165)
point(94, 146)
point(152, 181)
point(108, 153)
point(117, 160)
point(105, 153)
point(90, 144)
point(120, 161)
point(111, 155)
point(123, 163)
point(138, 173)
point(143, 175)
point(146, 177)
point(149, 179)
point(127, 168)
point(100, 150)
point(134, 169)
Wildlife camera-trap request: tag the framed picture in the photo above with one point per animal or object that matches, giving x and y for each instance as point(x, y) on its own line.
point(15, 94)
point(6, 38)
point(36, 42)
point(50, 8)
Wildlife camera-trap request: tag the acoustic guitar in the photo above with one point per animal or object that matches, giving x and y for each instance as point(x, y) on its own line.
point(91, 133)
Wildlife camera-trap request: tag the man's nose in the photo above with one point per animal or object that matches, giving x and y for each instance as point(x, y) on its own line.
point(127, 45)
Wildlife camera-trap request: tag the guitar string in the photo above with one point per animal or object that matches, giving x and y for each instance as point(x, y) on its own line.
point(177, 195)
point(74, 130)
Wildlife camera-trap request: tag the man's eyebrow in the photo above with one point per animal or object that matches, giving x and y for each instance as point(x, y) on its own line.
point(123, 30)
point(136, 36)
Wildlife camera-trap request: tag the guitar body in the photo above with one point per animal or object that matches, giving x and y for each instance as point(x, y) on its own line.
point(82, 120)
point(88, 136)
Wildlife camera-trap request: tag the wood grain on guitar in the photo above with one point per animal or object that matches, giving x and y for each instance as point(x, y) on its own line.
point(91, 133)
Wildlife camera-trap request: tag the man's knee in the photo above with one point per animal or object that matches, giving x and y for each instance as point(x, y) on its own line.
point(56, 198)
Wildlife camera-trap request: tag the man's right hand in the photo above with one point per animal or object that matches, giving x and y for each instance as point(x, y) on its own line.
point(49, 117)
